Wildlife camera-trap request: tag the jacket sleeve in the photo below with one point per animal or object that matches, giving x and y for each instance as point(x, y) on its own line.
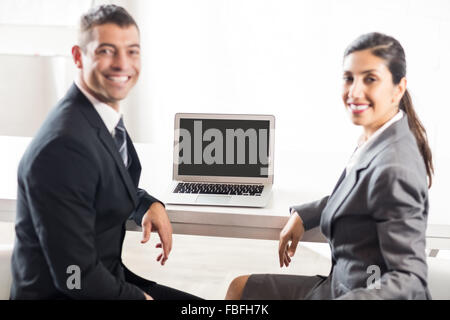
point(144, 202)
point(61, 201)
point(398, 198)
point(311, 212)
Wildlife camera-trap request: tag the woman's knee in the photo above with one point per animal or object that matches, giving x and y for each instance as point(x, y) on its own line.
point(236, 288)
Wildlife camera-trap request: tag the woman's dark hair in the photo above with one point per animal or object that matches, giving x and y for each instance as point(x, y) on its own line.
point(390, 50)
point(100, 15)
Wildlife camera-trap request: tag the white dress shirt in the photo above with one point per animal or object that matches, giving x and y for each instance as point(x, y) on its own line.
point(109, 116)
point(360, 150)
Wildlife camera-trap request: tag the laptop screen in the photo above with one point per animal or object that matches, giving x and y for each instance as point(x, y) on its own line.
point(223, 147)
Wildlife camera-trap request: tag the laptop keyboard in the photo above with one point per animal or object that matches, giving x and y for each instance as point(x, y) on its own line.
point(215, 188)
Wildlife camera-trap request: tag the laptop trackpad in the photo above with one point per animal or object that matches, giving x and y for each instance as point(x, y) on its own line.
point(217, 200)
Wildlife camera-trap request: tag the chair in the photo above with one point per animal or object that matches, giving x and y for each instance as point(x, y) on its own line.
point(5, 270)
point(439, 278)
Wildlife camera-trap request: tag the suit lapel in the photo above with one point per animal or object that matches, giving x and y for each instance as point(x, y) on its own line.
point(341, 178)
point(135, 166)
point(393, 133)
point(105, 137)
point(338, 197)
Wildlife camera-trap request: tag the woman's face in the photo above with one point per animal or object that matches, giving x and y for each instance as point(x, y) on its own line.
point(368, 92)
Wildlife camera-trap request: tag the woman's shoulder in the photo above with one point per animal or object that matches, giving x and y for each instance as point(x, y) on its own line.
point(402, 151)
point(401, 159)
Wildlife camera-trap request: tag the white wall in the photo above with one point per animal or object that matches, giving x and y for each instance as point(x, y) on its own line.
point(29, 87)
point(281, 57)
point(36, 37)
point(284, 57)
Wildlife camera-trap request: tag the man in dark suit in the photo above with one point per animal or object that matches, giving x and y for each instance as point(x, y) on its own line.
point(77, 181)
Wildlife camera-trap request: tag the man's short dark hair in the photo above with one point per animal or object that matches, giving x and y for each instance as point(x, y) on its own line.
point(103, 14)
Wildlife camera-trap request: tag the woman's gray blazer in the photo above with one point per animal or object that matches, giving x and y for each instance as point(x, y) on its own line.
point(375, 220)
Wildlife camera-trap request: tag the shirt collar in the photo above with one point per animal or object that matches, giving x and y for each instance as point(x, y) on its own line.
point(394, 119)
point(364, 146)
point(109, 116)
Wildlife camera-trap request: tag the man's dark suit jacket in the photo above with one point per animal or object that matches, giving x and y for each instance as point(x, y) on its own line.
point(74, 197)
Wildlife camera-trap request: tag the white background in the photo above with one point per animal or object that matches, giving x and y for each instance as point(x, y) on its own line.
point(280, 57)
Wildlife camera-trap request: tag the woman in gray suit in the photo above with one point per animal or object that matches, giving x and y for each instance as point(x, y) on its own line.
point(375, 218)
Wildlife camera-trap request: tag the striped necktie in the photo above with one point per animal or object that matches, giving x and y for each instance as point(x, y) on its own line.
point(120, 137)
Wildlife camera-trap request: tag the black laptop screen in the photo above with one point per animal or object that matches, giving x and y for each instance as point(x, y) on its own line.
point(223, 147)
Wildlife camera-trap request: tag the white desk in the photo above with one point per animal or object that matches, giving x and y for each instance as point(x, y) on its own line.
point(256, 223)
point(156, 160)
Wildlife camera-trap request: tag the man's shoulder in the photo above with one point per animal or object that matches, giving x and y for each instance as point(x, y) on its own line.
point(66, 123)
point(69, 117)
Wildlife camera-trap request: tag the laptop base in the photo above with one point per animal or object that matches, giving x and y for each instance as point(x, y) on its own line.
point(219, 199)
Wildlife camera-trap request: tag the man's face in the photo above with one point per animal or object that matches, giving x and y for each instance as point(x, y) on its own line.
point(110, 63)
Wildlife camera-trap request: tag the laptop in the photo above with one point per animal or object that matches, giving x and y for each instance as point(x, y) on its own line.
point(222, 160)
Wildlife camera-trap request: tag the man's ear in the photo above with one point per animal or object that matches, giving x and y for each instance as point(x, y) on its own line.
point(77, 56)
point(399, 91)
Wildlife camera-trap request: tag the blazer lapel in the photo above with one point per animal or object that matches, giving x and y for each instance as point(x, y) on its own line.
point(341, 178)
point(135, 166)
point(337, 198)
point(341, 192)
point(105, 137)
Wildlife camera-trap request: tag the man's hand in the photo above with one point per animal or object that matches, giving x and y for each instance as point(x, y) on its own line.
point(156, 218)
point(293, 231)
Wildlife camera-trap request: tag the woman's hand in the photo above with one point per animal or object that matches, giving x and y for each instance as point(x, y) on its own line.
point(289, 237)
